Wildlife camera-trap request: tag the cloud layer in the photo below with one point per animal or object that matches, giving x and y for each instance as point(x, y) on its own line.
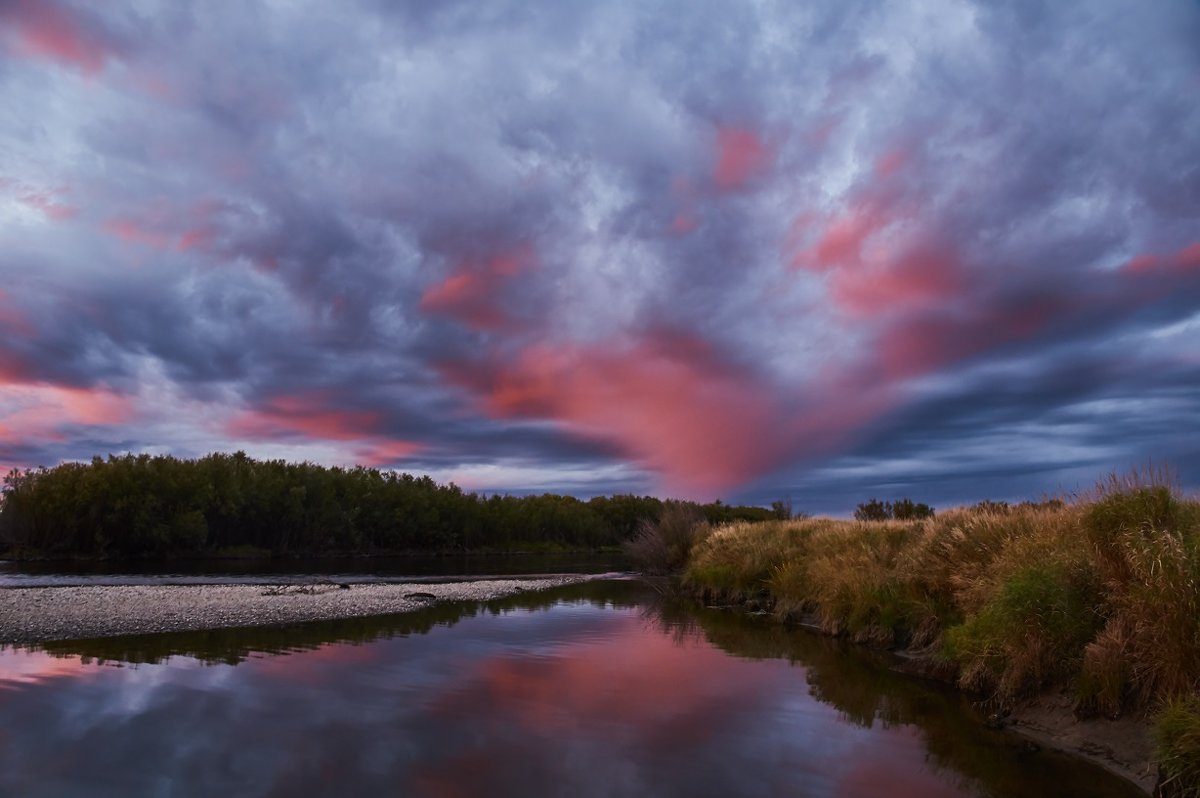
point(818, 252)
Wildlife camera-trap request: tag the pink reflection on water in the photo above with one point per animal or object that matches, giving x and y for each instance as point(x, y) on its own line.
point(578, 700)
point(892, 770)
point(19, 667)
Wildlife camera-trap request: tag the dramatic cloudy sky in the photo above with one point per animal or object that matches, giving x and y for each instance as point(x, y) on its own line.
point(817, 250)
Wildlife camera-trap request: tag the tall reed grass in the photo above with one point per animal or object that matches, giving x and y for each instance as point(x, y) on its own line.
point(1100, 594)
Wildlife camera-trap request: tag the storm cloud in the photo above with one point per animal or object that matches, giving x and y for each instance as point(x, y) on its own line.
point(815, 251)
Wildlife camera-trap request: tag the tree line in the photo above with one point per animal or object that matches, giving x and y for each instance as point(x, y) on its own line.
point(901, 510)
point(223, 504)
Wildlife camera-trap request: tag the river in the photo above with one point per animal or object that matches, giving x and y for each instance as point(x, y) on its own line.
point(600, 689)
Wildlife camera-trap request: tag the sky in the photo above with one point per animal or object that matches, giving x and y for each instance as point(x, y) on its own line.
point(814, 251)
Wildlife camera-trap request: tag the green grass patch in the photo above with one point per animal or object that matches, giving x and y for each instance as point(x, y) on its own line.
point(1177, 746)
point(1032, 632)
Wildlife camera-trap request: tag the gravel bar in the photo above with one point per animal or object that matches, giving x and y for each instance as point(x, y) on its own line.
point(40, 614)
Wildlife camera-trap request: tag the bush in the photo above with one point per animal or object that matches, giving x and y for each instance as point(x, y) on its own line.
point(664, 546)
point(1123, 512)
point(900, 510)
point(1032, 632)
point(873, 510)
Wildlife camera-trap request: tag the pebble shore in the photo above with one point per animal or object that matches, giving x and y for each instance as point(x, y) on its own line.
point(40, 614)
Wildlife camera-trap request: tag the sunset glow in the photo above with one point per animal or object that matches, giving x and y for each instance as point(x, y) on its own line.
point(828, 253)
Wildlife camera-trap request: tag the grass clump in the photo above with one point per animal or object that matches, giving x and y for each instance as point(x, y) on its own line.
point(853, 584)
point(1150, 645)
point(736, 561)
point(1031, 631)
point(1177, 746)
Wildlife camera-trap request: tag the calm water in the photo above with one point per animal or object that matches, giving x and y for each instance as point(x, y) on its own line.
point(355, 570)
point(594, 690)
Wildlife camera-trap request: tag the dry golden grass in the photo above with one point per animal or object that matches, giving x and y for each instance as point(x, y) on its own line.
point(737, 559)
point(1177, 733)
point(1100, 593)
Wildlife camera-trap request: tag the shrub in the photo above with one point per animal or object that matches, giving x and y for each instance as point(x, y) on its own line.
point(873, 510)
point(901, 510)
point(908, 510)
point(1030, 633)
point(664, 546)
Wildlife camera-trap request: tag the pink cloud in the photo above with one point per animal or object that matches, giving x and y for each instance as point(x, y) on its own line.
point(878, 260)
point(195, 239)
point(47, 204)
point(741, 156)
point(948, 318)
point(31, 412)
point(1189, 257)
point(157, 235)
point(668, 401)
point(892, 161)
point(871, 227)
point(921, 308)
point(682, 224)
point(311, 416)
point(1181, 261)
point(386, 453)
point(680, 414)
point(95, 406)
point(473, 294)
point(183, 227)
point(922, 343)
point(843, 239)
point(307, 415)
point(923, 276)
point(134, 232)
point(44, 29)
point(1142, 263)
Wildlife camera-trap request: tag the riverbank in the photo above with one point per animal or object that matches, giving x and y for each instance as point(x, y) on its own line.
point(42, 614)
point(1124, 746)
point(1076, 623)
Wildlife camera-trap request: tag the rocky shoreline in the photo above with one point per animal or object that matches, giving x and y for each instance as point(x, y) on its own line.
point(42, 614)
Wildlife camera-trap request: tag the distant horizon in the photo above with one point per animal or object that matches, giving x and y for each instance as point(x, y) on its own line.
point(798, 507)
point(818, 251)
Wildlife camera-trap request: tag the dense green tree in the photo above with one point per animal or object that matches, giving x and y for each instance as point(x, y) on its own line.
point(901, 510)
point(154, 506)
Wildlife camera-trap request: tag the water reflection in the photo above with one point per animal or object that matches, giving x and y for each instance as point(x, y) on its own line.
point(594, 690)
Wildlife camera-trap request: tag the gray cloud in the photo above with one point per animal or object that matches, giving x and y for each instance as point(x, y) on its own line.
point(393, 225)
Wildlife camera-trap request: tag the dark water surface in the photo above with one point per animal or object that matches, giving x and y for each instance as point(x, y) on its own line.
point(354, 570)
point(594, 690)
